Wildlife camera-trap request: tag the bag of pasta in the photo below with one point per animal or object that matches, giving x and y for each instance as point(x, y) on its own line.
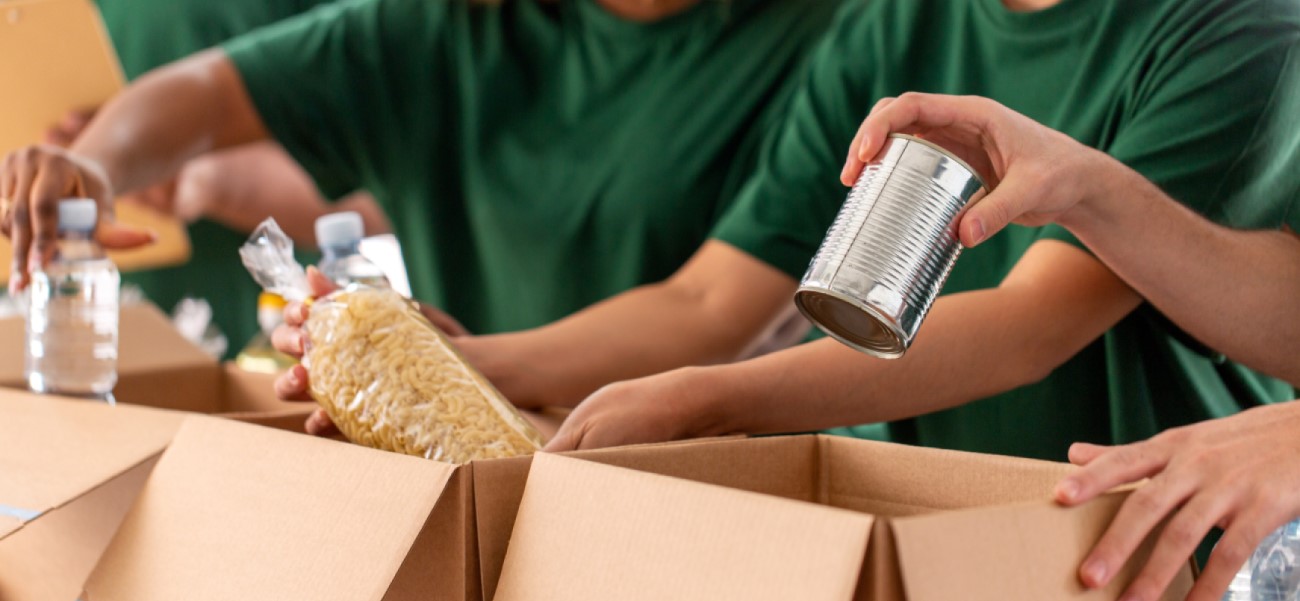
point(385, 375)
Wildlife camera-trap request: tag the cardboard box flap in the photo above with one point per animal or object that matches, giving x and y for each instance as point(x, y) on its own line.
point(587, 531)
point(898, 480)
point(9, 523)
point(780, 466)
point(982, 554)
point(53, 449)
point(235, 511)
point(147, 342)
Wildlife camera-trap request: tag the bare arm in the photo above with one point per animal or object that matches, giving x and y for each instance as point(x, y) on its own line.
point(240, 187)
point(168, 117)
point(1234, 290)
point(719, 306)
point(1056, 301)
point(140, 137)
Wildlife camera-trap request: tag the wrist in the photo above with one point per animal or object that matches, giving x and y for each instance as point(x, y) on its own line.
point(1104, 181)
point(706, 400)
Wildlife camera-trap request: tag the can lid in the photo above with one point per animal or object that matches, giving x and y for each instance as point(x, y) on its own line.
point(339, 229)
point(945, 152)
point(78, 214)
point(855, 324)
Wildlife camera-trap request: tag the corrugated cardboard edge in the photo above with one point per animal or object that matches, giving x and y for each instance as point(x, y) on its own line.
point(673, 538)
point(980, 554)
point(204, 462)
point(499, 484)
point(49, 558)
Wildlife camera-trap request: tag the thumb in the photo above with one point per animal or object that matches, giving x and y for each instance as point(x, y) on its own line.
point(319, 284)
point(114, 235)
point(995, 211)
point(569, 438)
point(1082, 453)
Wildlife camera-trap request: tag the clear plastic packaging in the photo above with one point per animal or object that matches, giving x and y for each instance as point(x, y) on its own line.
point(386, 376)
point(73, 315)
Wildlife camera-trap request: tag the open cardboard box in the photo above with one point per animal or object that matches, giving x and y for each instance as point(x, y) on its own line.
point(157, 367)
point(829, 517)
point(69, 470)
point(237, 511)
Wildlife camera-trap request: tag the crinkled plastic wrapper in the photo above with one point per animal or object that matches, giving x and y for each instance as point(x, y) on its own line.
point(390, 380)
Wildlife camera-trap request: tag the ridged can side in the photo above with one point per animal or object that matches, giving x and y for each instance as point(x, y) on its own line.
point(890, 249)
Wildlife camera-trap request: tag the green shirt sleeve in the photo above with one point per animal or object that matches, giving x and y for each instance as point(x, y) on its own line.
point(329, 84)
point(781, 214)
point(1201, 130)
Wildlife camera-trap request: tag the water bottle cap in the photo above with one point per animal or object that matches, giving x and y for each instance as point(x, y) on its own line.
point(78, 214)
point(339, 229)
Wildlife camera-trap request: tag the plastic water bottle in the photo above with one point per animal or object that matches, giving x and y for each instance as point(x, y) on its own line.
point(339, 237)
point(1273, 571)
point(73, 313)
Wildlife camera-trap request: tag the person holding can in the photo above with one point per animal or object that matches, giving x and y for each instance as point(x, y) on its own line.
point(534, 157)
point(1036, 343)
point(1034, 329)
point(1241, 471)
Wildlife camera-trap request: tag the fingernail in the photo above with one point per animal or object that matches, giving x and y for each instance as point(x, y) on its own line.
point(1095, 572)
point(1067, 490)
point(976, 230)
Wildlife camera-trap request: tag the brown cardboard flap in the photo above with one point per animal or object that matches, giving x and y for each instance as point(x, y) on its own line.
point(587, 531)
point(54, 449)
point(1011, 552)
point(49, 559)
point(235, 511)
point(779, 466)
point(156, 366)
point(899, 480)
point(248, 392)
point(9, 524)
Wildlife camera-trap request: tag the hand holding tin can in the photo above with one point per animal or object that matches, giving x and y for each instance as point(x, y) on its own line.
point(890, 249)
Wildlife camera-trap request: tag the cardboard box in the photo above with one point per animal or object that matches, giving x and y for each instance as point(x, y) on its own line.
point(69, 470)
point(157, 367)
point(235, 511)
point(831, 517)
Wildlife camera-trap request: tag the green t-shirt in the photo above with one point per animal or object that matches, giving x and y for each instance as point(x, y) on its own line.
point(1184, 91)
point(534, 157)
point(151, 33)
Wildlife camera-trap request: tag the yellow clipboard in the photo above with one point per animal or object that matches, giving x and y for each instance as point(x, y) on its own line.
point(56, 57)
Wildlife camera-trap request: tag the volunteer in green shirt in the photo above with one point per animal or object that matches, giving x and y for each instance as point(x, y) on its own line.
point(534, 157)
point(1036, 344)
point(1241, 472)
point(151, 33)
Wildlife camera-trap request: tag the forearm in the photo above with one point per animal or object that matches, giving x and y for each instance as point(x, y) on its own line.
point(687, 320)
point(972, 345)
point(241, 187)
point(642, 332)
point(169, 116)
point(1236, 291)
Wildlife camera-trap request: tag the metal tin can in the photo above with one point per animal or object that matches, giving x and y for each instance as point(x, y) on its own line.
point(890, 249)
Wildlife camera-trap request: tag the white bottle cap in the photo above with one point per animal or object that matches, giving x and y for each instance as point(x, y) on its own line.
point(339, 229)
point(78, 214)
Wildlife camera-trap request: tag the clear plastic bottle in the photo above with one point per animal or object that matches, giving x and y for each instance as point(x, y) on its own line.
point(1273, 571)
point(339, 237)
point(73, 314)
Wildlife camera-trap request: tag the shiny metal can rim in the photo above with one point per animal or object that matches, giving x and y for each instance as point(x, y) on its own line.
point(947, 153)
point(880, 317)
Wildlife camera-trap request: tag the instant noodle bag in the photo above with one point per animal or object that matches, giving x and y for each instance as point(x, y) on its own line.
point(386, 376)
